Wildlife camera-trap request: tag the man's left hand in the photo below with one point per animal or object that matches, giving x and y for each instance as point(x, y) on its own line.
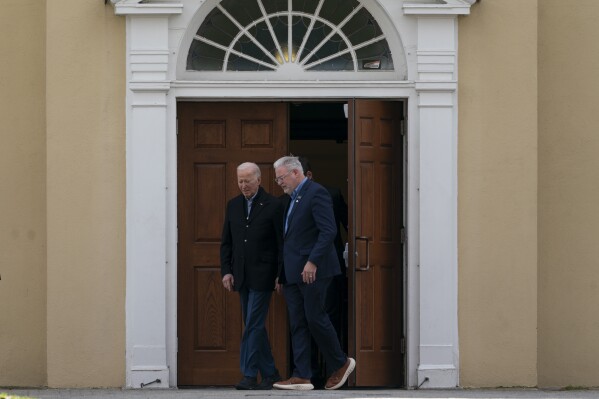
point(309, 273)
point(278, 287)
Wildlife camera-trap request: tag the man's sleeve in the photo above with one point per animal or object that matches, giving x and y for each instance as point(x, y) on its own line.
point(322, 212)
point(278, 222)
point(226, 247)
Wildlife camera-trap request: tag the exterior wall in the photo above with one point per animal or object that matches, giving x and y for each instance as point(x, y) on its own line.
point(23, 193)
point(66, 189)
point(497, 213)
point(568, 193)
point(86, 194)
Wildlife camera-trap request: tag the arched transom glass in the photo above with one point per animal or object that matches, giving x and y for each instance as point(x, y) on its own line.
point(289, 35)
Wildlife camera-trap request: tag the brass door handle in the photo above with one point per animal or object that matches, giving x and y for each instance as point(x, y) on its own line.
point(360, 266)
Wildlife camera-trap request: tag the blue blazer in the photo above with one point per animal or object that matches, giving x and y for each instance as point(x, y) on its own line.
point(310, 235)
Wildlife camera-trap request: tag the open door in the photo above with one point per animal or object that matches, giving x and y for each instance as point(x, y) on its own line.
point(375, 240)
point(213, 139)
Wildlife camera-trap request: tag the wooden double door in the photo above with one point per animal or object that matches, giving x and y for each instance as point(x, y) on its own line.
point(213, 138)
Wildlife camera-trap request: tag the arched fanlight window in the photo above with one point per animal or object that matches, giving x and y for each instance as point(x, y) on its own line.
point(290, 35)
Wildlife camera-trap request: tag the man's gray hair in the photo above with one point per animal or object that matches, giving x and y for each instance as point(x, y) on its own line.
point(290, 163)
point(250, 165)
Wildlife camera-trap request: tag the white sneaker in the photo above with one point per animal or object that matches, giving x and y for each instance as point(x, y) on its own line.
point(294, 383)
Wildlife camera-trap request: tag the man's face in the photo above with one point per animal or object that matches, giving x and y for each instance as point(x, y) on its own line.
point(286, 179)
point(248, 182)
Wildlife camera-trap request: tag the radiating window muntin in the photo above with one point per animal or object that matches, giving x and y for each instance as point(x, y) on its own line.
point(310, 35)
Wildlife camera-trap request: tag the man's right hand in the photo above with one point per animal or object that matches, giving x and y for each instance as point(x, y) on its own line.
point(228, 281)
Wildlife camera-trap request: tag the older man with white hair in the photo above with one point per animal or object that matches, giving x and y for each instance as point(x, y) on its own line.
point(251, 255)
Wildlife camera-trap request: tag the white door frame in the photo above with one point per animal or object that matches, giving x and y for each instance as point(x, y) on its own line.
point(429, 35)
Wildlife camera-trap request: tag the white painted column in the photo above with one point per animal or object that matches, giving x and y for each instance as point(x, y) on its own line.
point(438, 348)
point(436, 87)
point(147, 90)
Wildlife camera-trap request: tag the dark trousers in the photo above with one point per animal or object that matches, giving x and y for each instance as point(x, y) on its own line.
point(256, 355)
point(308, 317)
point(336, 306)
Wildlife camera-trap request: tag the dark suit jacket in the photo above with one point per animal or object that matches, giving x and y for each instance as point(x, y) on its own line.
point(310, 235)
point(340, 212)
point(251, 249)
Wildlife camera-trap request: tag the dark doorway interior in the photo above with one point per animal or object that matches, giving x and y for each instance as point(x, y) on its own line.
point(318, 131)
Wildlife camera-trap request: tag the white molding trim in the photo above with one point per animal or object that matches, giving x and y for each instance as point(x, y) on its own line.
point(448, 7)
point(155, 31)
point(136, 7)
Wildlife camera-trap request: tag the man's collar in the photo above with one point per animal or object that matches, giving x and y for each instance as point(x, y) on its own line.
point(298, 188)
point(253, 196)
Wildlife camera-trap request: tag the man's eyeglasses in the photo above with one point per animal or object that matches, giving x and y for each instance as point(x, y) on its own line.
point(279, 179)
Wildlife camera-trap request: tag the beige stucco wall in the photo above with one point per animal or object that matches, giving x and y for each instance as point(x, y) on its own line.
point(22, 193)
point(497, 203)
point(519, 273)
point(568, 193)
point(86, 194)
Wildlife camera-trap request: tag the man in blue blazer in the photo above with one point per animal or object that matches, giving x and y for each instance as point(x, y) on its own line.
point(251, 254)
point(309, 264)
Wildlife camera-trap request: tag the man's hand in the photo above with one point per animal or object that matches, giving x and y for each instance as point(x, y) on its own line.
point(228, 281)
point(278, 287)
point(309, 273)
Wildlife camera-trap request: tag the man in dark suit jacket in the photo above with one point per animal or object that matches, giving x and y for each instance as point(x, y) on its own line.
point(251, 255)
point(336, 303)
point(309, 264)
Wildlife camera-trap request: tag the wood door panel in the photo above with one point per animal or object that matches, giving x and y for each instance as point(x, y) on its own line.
point(209, 133)
point(386, 208)
point(387, 336)
point(210, 310)
point(209, 201)
point(257, 134)
point(376, 270)
point(365, 286)
point(204, 254)
point(366, 189)
point(213, 139)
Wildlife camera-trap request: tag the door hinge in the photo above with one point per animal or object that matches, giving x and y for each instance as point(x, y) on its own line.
point(402, 345)
point(402, 235)
point(402, 127)
point(177, 126)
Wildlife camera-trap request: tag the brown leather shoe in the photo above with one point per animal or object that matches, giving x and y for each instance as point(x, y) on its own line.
point(338, 378)
point(294, 383)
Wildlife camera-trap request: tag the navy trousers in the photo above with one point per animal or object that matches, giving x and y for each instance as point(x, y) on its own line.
point(308, 317)
point(256, 355)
